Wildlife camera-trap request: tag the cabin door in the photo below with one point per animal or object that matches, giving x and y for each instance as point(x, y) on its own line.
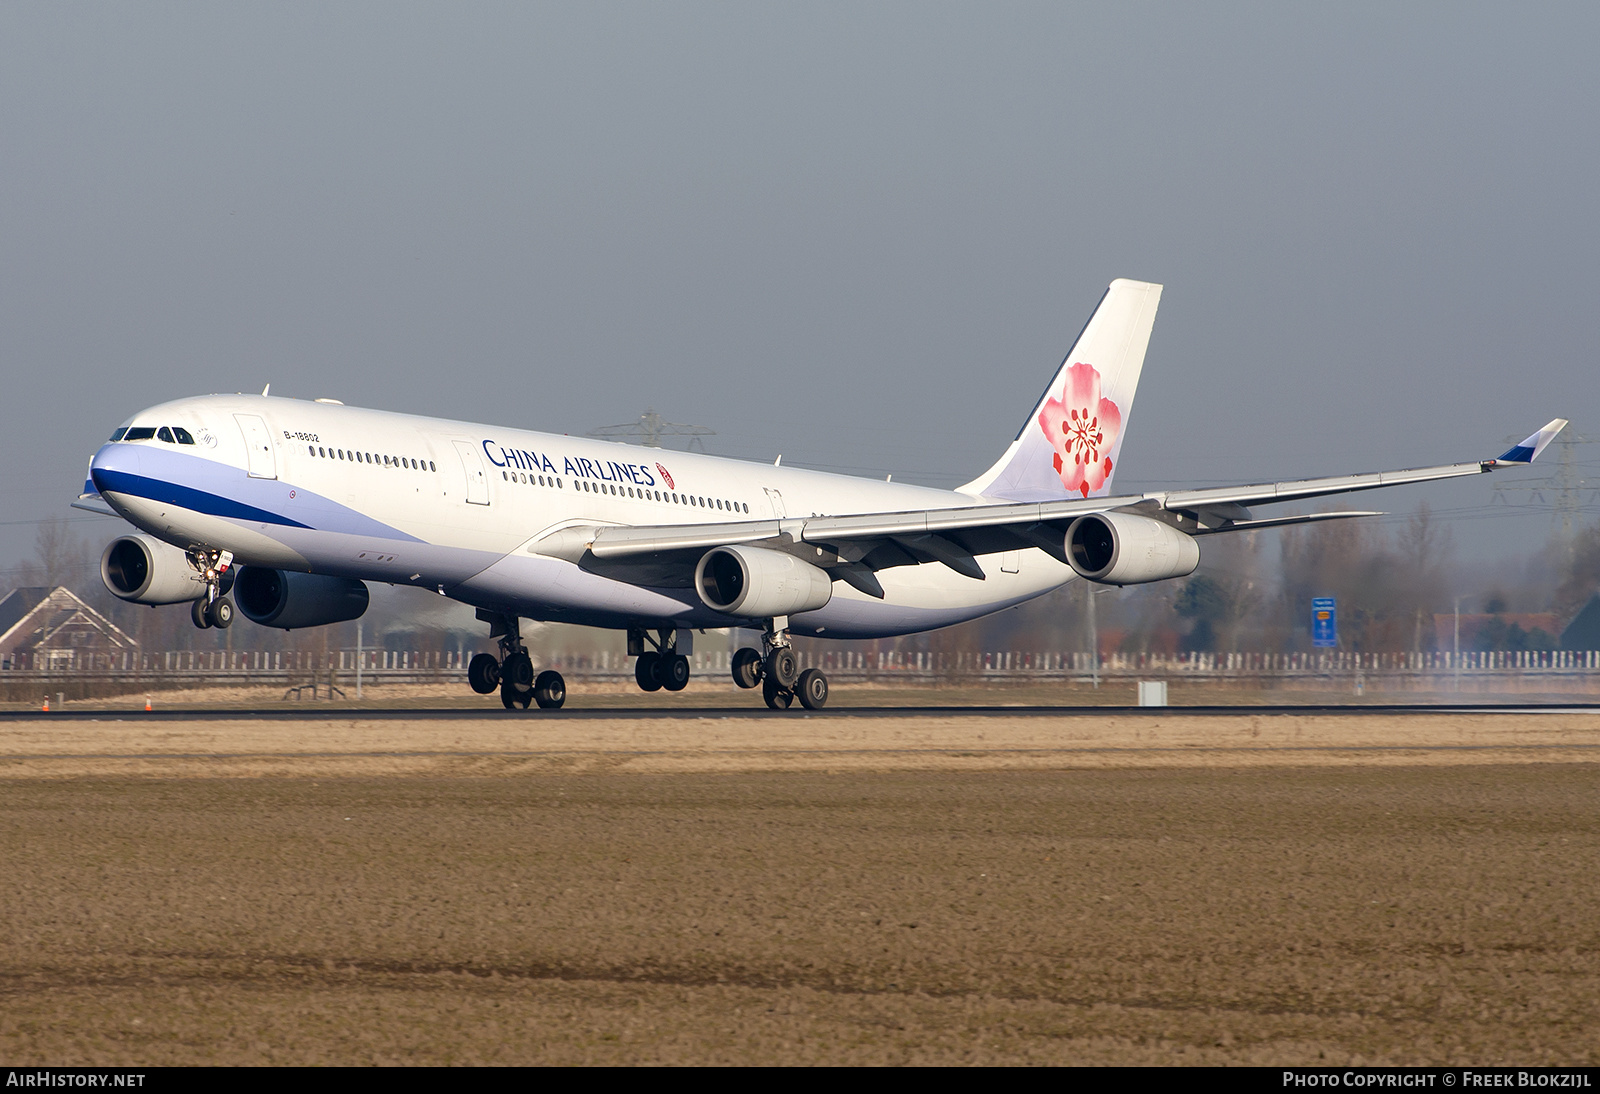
point(472, 464)
point(258, 446)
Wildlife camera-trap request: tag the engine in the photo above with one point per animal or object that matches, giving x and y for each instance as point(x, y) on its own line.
point(281, 598)
point(146, 570)
point(758, 584)
point(1125, 549)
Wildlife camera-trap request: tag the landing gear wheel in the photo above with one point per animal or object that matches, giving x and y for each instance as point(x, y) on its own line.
point(197, 612)
point(747, 667)
point(647, 671)
point(674, 671)
point(783, 667)
point(549, 691)
point(516, 681)
point(483, 673)
point(777, 698)
point(812, 689)
point(219, 613)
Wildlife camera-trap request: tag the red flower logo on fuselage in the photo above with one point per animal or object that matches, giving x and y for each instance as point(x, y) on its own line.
point(1082, 427)
point(666, 478)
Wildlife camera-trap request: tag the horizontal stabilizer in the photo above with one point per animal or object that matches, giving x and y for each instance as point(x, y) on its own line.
point(1529, 449)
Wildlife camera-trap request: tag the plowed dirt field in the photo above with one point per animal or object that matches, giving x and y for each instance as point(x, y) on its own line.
point(751, 891)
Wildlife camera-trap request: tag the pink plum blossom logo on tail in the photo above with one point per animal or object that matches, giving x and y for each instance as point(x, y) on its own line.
point(1082, 427)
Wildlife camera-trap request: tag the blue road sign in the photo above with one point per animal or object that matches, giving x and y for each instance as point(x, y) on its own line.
point(1324, 622)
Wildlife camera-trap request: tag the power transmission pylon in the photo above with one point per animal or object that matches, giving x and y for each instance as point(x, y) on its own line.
point(1567, 485)
point(651, 427)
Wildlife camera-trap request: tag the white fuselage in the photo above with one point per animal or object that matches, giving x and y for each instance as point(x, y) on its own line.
point(457, 508)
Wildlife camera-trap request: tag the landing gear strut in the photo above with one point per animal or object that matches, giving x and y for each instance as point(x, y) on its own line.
point(778, 672)
point(662, 667)
point(512, 671)
point(214, 609)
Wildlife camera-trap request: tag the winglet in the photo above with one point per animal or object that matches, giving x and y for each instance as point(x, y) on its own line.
point(1529, 450)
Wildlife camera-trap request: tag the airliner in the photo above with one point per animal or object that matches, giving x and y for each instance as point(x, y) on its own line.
point(288, 507)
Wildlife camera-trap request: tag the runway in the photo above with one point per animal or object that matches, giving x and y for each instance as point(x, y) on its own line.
point(311, 712)
point(328, 741)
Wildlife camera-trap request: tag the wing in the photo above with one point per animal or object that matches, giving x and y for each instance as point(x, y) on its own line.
point(854, 547)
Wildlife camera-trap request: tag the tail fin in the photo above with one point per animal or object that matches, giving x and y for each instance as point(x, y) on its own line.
point(1071, 443)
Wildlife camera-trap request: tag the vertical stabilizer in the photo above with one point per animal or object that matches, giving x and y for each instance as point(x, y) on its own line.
point(1070, 445)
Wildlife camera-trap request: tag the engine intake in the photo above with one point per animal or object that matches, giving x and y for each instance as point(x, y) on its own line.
point(758, 584)
point(1126, 549)
point(282, 598)
point(145, 570)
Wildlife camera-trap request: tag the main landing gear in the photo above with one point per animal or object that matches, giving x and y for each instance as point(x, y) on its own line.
point(662, 667)
point(512, 671)
point(779, 673)
point(214, 609)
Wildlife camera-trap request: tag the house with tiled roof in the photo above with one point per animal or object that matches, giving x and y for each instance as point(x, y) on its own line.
point(46, 628)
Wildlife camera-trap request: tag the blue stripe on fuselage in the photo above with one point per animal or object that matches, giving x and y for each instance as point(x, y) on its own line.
point(121, 482)
point(221, 489)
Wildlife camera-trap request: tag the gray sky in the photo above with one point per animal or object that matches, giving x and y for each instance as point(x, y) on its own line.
point(860, 235)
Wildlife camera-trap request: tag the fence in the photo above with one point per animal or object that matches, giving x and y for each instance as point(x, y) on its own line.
point(78, 675)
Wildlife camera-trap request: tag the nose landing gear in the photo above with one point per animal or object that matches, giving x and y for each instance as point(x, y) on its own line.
point(214, 609)
point(512, 671)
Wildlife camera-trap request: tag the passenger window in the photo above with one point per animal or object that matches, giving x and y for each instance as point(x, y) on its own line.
point(431, 467)
point(183, 435)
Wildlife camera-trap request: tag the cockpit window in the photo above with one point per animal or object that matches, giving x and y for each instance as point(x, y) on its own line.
point(165, 434)
point(117, 436)
point(140, 433)
point(183, 435)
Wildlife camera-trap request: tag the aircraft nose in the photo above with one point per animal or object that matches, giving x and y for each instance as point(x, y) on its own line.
point(111, 460)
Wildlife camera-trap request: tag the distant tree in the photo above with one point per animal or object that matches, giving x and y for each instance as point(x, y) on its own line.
point(1347, 560)
point(1580, 577)
point(1205, 601)
point(59, 558)
point(1422, 549)
point(1495, 634)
